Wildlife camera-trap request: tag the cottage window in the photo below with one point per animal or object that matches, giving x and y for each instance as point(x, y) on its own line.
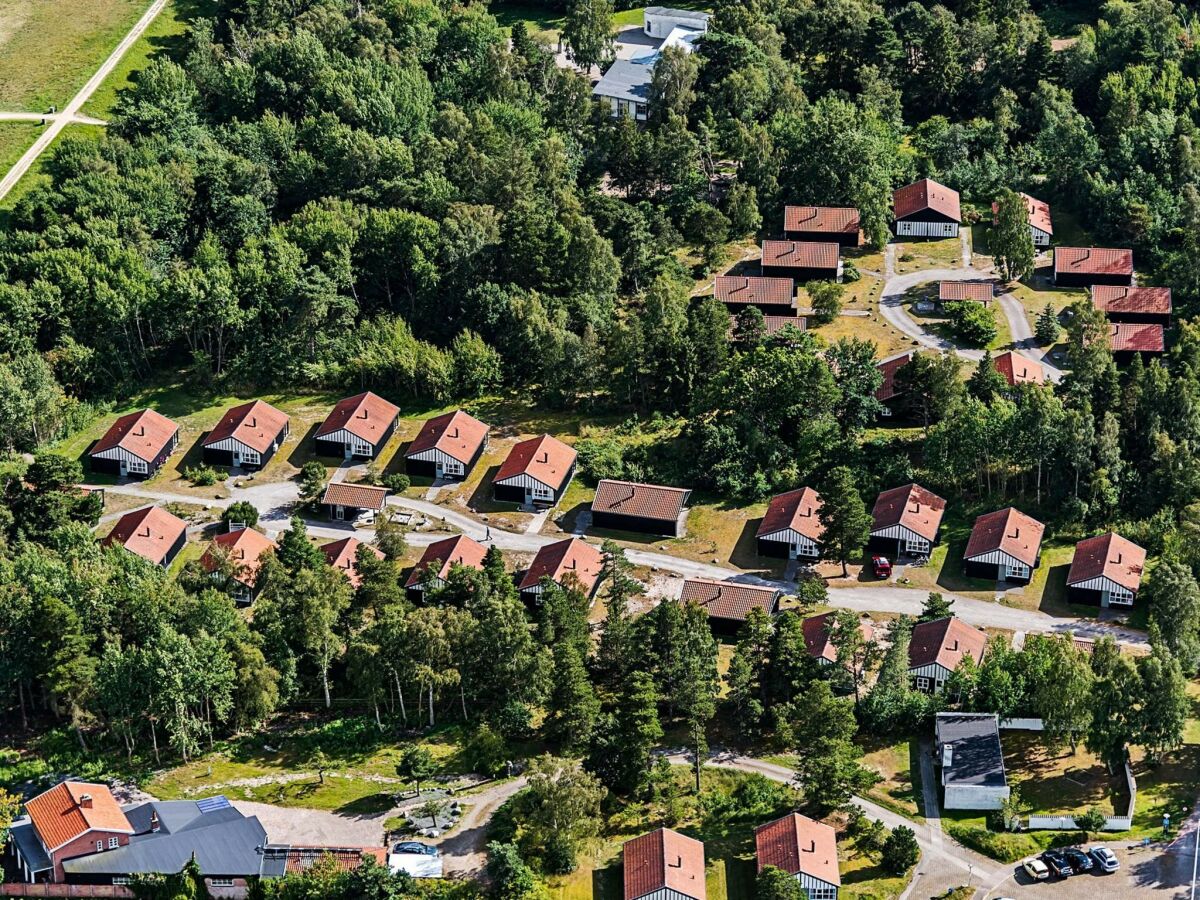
point(922, 683)
point(221, 882)
point(99, 846)
point(122, 879)
point(138, 466)
point(114, 843)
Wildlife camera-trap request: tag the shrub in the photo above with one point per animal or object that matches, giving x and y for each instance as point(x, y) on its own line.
point(486, 751)
point(826, 297)
point(241, 511)
point(312, 480)
point(972, 323)
point(850, 273)
point(900, 850)
point(1004, 846)
point(202, 476)
point(601, 458)
point(397, 482)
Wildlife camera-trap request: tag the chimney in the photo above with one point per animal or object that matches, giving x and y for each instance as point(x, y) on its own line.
point(454, 433)
point(155, 825)
point(85, 801)
point(364, 414)
point(953, 648)
point(141, 431)
point(678, 864)
point(571, 564)
point(811, 848)
point(147, 534)
point(1016, 532)
point(545, 457)
point(254, 421)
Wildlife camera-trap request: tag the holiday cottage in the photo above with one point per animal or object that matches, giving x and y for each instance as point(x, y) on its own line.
point(816, 636)
point(240, 549)
point(1005, 545)
point(926, 209)
point(1086, 266)
point(1133, 305)
point(536, 472)
point(823, 223)
point(663, 865)
point(802, 260)
point(791, 528)
point(804, 848)
point(136, 445)
point(447, 446)
point(1106, 571)
point(431, 570)
point(1038, 211)
point(562, 562)
point(343, 556)
point(644, 508)
point(1017, 369)
point(152, 533)
point(772, 296)
point(351, 502)
point(357, 428)
point(905, 521)
point(246, 437)
point(936, 648)
point(728, 603)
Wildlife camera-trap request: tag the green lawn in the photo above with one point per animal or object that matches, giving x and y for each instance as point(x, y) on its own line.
point(545, 24)
point(899, 769)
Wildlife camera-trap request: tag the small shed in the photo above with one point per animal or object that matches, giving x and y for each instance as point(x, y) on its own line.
point(347, 502)
point(971, 760)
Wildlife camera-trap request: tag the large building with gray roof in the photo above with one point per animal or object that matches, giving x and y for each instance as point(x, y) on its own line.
point(971, 760)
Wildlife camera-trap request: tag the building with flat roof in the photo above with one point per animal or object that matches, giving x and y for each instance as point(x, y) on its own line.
point(971, 760)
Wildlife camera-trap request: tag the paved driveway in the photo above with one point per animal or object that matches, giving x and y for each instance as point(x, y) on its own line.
point(1144, 872)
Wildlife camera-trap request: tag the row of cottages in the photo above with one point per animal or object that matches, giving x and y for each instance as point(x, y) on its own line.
point(667, 865)
point(77, 834)
point(1137, 317)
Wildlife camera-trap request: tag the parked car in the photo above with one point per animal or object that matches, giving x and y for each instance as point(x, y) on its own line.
point(415, 847)
point(881, 567)
point(1080, 861)
point(1105, 859)
point(1057, 863)
point(1036, 869)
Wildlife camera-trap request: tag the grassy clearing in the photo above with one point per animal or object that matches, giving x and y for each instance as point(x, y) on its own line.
point(900, 772)
point(1059, 782)
point(545, 25)
point(912, 256)
point(1048, 589)
point(862, 296)
point(49, 50)
point(863, 878)
point(944, 571)
point(15, 139)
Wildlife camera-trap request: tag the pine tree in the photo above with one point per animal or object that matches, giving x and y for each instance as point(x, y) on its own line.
point(986, 383)
point(1046, 329)
point(844, 517)
point(573, 707)
point(296, 551)
point(621, 750)
point(617, 652)
point(695, 681)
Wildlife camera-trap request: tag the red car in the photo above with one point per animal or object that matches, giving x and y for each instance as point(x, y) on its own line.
point(881, 567)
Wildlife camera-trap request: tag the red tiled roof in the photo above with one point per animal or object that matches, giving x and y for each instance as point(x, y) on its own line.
point(827, 219)
point(343, 554)
point(244, 548)
point(150, 533)
point(365, 416)
point(816, 635)
point(1111, 556)
point(889, 367)
point(544, 458)
point(1128, 338)
point(664, 859)
point(1092, 261)
point(926, 194)
point(145, 434)
point(254, 424)
point(728, 599)
point(1115, 298)
point(798, 510)
point(345, 859)
point(456, 434)
point(1038, 210)
point(555, 561)
point(1018, 369)
point(646, 501)
point(982, 291)
point(801, 254)
point(798, 844)
point(772, 324)
point(60, 816)
point(765, 291)
point(945, 642)
point(441, 555)
point(917, 509)
point(1008, 530)
point(360, 496)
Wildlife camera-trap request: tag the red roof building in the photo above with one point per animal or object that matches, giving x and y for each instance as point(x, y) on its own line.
point(1005, 545)
point(936, 649)
point(343, 556)
point(802, 260)
point(645, 508)
point(1136, 305)
point(926, 209)
point(979, 291)
point(74, 818)
point(664, 863)
point(816, 636)
point(1018, 369)
point(447, 446)
point(244, 548)
point(771, 295)
point(151, 532)
point(1086, 266)
point(437, 560)
point(1040, 227)
point(823, 223)
point(358, 427)
point(136, 444)
point(537, 471)
point(792, 526)
point(802, 847)
point(347, 500)
point(247, 436)
point(1106, 570)
point(561, 560)
point(906, 521)
point(889, 367)
point(729, 602)
point(1126, 339)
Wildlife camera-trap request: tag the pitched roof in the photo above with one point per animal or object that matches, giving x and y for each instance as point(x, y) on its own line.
point(889, 367)
point(825, 219)
point(816, 635)
point(664, 859)
point(1092, 261)
point(982, 291)
point(757, 290)
point(1037, 210)
point(1018, 369)
point(918, 510)
point(801, 254)
point(60, 814)
point(798, 844)
point(729, 599)
point(343, 554)
point(975, 757)
point(926, 194)
point(772, 324)
point(644, 501)
point(254, 424)
point(360, 496)
point(364, 415)
point(456, 434)
point(245, 548)
point(798, 510)
point(555, 561)
point(945, 642)
point(1008, 530)
point(145, 434)
point(1130, 338)
point(1111, 556)
point(544, 458)
point(288, 859)
point(441, 555)
point(1117, 298)
point(150, 532)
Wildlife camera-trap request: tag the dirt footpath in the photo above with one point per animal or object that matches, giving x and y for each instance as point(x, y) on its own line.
point(463, 852)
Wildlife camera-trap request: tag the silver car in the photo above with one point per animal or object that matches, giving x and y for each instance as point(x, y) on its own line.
point(1105, 859)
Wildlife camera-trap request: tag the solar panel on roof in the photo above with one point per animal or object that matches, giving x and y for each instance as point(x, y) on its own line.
point(212, 804)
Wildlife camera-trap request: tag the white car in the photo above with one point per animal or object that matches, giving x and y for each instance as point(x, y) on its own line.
point(1036, 869)
point(1105, 859)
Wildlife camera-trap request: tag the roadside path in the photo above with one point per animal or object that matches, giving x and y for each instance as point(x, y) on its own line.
point(62, 119)
point(49, 117)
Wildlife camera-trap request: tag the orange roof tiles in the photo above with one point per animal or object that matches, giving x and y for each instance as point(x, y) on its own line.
point(889, 367)
point(926, 194)
point(441, 555)
point(945, 642)
point(255, 424)
point(150, 533)
point(1018, 369)
point(345, 859)
point(798, 844)
point(1124, 337)
point(1116, 298)
point(1038, 211)
point(343, 555)
point(918, 510)
point(71, 809)
point(823, 219)
point(980, 291)
point(245, 548)
point(664, 859)
point(545, 459)
point(1092, 261)
point(728, 599)
point(644, 501)
point(1111, 556)
point(759, 291)
point(801, 254)
point(456, 434)
point(798, 510)
point(359, 496)
point(572, 556)
point(1009, 531)
point(816, 635)
point(367, 416)
point(145, 434)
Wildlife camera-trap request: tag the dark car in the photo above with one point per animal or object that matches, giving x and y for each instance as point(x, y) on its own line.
point(415, 847)
point(1057, 863)
point(1079, 860)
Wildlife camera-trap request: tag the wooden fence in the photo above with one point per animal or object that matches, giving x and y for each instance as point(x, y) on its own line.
point(1112, 823)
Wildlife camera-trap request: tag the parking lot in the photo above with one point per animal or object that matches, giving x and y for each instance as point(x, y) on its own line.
point(1145, 872)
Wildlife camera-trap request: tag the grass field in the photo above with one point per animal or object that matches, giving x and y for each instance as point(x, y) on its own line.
point(912, 256)
point(900, 772)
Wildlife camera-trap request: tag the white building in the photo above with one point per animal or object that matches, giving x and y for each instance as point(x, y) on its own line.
point(971, 760)
point(660, 21)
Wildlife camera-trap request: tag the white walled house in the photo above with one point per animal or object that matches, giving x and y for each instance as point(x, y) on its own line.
point(971, 760)
point(1106, 570)
point(660, 21)
point(926, 209)
point(791, 528)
